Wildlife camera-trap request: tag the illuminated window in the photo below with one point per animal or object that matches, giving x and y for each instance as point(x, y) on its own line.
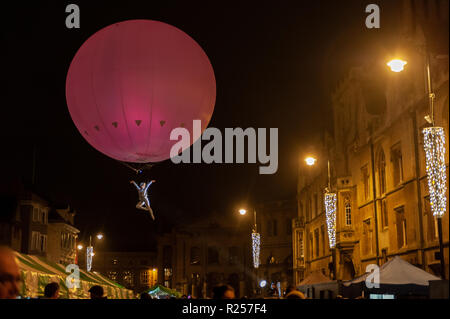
point(401, 227)
point(397, 164)
point(114, 261)
point(144, 277)
point(195, 255)
point(113, 275)
point(128, 278)
point(348, 212)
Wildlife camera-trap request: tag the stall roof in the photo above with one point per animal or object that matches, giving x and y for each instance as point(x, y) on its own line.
point(399, 272)
point(314, 278)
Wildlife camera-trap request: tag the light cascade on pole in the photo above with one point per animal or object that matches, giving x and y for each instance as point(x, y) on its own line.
point(434, 144)
point(330, 211)
point(256, 246)
point(89, 254)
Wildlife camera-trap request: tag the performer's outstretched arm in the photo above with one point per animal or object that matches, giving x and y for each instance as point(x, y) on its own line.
point(133, 182)
point(148, 185)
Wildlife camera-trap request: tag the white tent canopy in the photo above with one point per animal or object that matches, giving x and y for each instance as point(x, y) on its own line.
point(399, 272)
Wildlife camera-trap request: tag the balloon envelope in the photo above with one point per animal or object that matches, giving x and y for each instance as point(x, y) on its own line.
point(132, 82)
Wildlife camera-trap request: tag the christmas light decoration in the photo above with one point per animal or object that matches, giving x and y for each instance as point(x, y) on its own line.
point(434, 145)
point(256, 243)
point(330, 210)
point(89, 254)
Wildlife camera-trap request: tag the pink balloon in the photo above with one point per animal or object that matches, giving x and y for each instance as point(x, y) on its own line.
point(132, 82)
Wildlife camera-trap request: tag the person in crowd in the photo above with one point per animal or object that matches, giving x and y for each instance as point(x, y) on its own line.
point(145, 295)
point(51, 291)
point(10, 280)
point(223, 292)
point(293, 293)
point(97, 292)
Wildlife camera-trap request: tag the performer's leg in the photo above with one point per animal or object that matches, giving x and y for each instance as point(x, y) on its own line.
point(140, 205)
point(147, 203)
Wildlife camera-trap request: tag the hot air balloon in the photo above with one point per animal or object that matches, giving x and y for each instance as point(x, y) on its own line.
point(132, 82)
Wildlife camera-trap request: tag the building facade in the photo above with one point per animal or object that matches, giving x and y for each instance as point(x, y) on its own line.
point(62, 236)
point(194, 258)
point(134, 270)
point(274, 221)
point(378, 171)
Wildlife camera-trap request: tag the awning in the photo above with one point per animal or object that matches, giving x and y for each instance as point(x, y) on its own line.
point(37, 272)
point(160, 290)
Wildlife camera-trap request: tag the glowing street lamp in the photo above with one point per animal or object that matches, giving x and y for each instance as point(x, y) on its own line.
point(397, 65)
point(80, 247)
point(99, 236)
point(310, 161)
point(242, 211)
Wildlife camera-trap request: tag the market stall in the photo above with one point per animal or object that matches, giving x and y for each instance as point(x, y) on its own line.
point(162, 292)
point(397, 278)
point(37, 272)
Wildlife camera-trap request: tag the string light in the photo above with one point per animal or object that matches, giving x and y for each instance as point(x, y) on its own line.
point(434, 145)
point(330, 210)
point(89, 254)
point(256, 244)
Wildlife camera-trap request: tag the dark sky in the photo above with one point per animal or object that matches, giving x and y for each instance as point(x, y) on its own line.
point(275, 66)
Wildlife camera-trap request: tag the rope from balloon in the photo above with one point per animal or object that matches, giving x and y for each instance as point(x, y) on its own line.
point(140, 169)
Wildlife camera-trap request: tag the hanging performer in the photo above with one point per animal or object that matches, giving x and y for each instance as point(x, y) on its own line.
point(144, 203)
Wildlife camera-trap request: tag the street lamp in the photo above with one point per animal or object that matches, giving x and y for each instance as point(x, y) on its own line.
point(80, 247)
point(90, 252)
point(310, 161)
point(397, 65)
point(434, 146)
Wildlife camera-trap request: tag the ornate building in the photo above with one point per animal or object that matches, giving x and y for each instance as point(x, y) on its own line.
point(378, 163)
point(194, 258)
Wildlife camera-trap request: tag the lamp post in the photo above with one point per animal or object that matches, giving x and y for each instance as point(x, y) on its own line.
point(90, 251)
point(434, 145)
point(330, 199)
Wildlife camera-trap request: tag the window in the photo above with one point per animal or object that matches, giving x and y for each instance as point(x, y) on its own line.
point(35, 214)
point(269, 228)
point(114, 261)
point(44, 217)
point(348, 212)
point(384, 214)
point(401, 227)
point(144, 277)
point(367, 234)
point(288, 226)
point(43, 243)
point(112, 275)
point(195, 255)
point(322, 234)
point(128, 278)
point(213, 255)
point(167, 256)
point(397, 164)
point(233, 255)
point(311, 246)
point(382, 172)
point(301, 247)
point(275, 228)
point(35, 237)
point(309, 209)
point(168, 277)
point(365, 180)
point(316, 238)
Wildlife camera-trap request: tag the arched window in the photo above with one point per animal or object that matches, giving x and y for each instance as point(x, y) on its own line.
point(382, 172)
point(348, 212)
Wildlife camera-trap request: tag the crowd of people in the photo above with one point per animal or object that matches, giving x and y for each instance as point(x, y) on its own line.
point(10, 281)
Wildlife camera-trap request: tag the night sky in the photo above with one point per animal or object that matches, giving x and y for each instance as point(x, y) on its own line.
point(275, 64)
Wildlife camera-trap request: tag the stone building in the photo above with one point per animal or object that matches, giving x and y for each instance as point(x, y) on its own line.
point(194, 258)
point(274, 221)
point(377, 162)
point(62, 236)
point(134, 270)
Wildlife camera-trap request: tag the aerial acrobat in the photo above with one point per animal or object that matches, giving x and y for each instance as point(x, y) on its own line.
point(144, 203)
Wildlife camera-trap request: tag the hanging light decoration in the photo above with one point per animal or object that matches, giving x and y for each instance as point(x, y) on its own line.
point(330, 210)
point(256, 244)
point(89, 254)
point(434, 144)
